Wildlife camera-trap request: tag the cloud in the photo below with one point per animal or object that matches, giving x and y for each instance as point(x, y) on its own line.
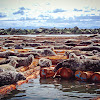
point(87, 11)
point(59, 10)
point(2, 15)
point(92, 9)
point(77, 9)
point(92, 18)
point(21, 11)
point(56, 20)
point(98, 10)
point(26, 18)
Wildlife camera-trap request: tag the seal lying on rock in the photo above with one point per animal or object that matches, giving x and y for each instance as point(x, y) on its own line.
point(5, 54)
point(10, 66)
point(36, 55)
point(43, 62)
point(10, 77)
point(44, 52)
point(79, 63)
point(23, 61)
point(48, 52)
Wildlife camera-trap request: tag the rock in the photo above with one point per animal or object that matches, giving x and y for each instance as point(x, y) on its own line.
point(63, 47)
point(46, 41)
point(8, 41)
point(90, 48)
point(9, 44)
point(33, 44)
point(86, 42)
point(4, 61)
point(71, 44)
point(18, 47)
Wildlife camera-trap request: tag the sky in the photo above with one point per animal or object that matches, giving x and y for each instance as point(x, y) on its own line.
point(49, 13)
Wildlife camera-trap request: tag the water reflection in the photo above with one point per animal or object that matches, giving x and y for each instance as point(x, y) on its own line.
point(54, 89)
point(74, 88)
point(13, 94)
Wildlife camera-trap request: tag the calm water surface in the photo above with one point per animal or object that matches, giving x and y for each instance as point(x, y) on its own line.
point(54, 89)
point(68, 35)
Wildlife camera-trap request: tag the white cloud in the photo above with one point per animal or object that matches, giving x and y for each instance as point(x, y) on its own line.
point(49, 9)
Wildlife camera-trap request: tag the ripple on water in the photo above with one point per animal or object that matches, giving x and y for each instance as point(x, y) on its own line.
point(53, 89)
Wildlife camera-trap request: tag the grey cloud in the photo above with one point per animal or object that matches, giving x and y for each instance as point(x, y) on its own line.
point(77, 9)
point(2, 15)
point(21, 11)
point(58, 10)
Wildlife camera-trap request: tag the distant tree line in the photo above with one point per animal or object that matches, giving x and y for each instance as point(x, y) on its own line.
point(75, 30)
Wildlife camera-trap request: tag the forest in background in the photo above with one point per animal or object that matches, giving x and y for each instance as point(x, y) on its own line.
point(47, 31)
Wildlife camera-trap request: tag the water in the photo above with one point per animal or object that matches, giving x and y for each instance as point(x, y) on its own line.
point(68, 35)
point(54, 89)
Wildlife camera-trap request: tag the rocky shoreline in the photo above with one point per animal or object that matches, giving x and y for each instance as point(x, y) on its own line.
point(77, 53)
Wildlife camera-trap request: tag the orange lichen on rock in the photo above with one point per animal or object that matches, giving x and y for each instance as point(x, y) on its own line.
point(59, 51)
point(56, 59)
point(6, 89)
point(23, 50)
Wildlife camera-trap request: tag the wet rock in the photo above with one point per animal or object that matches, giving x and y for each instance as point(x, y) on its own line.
point(86, 42)
point(8, 41)
point(46, 41)
point(95, 40)
point(9, 44)
point(33, 44)
point(90, 48)
point(18, 47)
point(70, 44)
point(70, 41)
point(44, 47)
point(4, 61)
point(63, 47)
